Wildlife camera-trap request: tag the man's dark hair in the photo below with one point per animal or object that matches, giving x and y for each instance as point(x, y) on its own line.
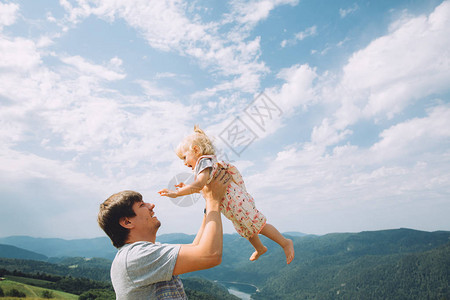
point(117, 206)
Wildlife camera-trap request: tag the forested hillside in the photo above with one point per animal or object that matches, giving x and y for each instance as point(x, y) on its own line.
point(422, 275)
point(95, 269)
point(89, 278)
point(87, 289)
point(388, 264)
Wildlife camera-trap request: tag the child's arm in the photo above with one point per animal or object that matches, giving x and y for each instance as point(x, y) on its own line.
point(192, 188)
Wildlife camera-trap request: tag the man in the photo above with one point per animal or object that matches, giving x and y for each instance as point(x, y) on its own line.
point(144, 269)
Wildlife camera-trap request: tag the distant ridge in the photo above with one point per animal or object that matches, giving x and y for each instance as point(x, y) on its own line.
point(294, 233)
point(8, 251)
point(96, 247)
point(101, 247)
point(54, 247)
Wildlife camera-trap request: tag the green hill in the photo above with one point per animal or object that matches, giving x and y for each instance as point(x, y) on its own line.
point(31, 291)
point(69, 267)
point(32, 288)
point(198, 289)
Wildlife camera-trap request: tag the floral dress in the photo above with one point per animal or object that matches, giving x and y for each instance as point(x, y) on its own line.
point(238, 205)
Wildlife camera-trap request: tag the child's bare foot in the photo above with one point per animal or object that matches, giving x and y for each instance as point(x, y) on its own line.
point(257, 253)
point(289, 251)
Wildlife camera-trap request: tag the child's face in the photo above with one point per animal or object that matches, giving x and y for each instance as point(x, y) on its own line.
point(190, 157)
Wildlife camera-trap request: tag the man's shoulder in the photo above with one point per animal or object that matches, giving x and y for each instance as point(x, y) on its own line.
point(137, 267)
point(143, 246)
point(142, 255)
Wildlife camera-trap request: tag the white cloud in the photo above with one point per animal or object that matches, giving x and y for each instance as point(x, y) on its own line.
point(409, 63)
point(299, 89)
point(252, 12)
point(11, 130)
point(152, 90)
point(247, 83)
point(165, 75)
point(66, 122)
point(8, 14)
point(76, 13)
point(378, 82)
point(165, 26)
point(311, 31)
point(44, 41)
point(300, 36)
point(68, 111)
point(18, 53)
point(347, 11)
point(26, 166)
point(91, 69)
point(325, 134)
point(417, 136)
point(393, 72)
point(405, 167)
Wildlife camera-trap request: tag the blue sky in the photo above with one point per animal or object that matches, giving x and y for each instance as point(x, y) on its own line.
point(341, 109)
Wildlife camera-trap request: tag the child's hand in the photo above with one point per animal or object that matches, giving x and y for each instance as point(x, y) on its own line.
point(180, 185)
point(168, 193)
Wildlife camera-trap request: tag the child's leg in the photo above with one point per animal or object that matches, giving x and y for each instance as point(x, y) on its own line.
point(260, 249)
point(288, 246)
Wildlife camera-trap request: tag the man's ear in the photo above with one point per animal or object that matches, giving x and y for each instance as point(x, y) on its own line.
point(126, 223)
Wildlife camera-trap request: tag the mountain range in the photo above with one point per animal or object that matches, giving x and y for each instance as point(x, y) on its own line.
point(386, 264)
point(54, 247)
point(8, 251)
point(45, 248)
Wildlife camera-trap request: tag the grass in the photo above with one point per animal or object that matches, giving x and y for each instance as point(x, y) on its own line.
point(29, 281)
point(32, 292)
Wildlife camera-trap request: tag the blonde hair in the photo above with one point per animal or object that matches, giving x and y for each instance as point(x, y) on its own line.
point(198, 138)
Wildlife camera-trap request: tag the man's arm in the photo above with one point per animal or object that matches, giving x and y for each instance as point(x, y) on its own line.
point(200, 231)
point(208, 252)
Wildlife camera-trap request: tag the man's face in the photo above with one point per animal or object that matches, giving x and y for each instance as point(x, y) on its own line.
point(145, 219)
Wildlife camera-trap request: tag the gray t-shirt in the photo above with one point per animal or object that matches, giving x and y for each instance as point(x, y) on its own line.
point(143, 270)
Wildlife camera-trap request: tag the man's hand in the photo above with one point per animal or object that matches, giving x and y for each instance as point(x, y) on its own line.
point(206, 251)
point(215, 190)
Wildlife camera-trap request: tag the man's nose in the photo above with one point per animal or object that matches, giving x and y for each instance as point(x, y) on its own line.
point(150, 205)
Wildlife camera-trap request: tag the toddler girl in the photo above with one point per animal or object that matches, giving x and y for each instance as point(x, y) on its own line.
point(197, 152)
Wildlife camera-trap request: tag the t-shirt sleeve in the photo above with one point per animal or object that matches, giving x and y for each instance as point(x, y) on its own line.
point(149, 263)
point(204, 163)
